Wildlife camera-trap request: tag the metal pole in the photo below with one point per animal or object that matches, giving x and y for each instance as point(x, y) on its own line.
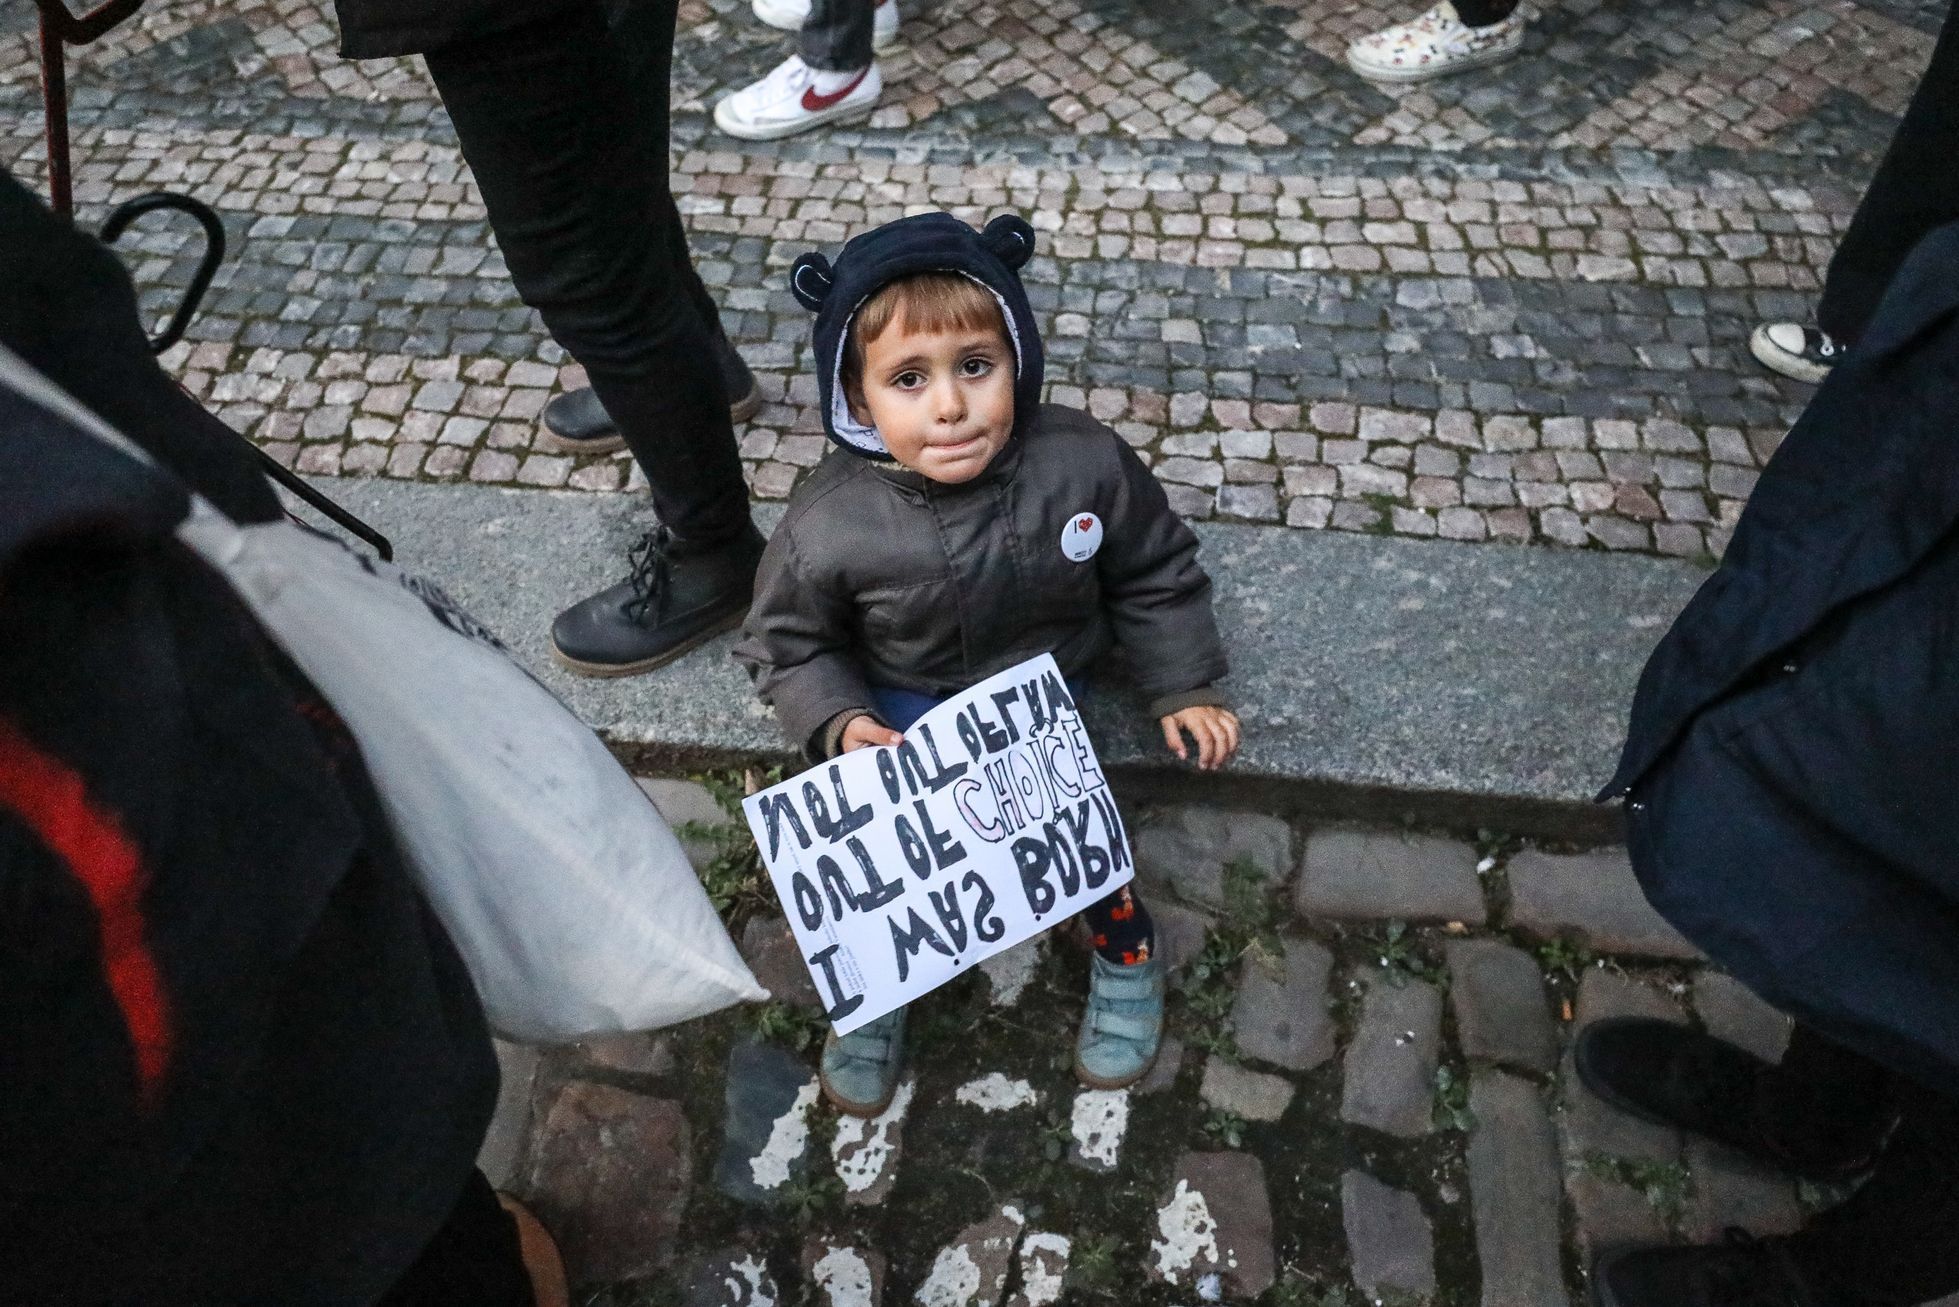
point(54, 98)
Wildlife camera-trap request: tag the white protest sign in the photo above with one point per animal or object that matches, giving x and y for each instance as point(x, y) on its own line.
point(901, 867)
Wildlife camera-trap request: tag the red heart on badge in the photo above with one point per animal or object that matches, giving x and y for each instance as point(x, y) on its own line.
point(1084, 523)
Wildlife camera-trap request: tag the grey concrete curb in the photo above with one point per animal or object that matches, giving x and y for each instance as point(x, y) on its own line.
point(1379, 678)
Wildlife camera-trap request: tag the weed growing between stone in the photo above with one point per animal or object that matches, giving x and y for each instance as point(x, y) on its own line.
point(1452, 1100)
point(1224, 1129)
point(1666, 1186)
point(796, 1028)
point(1208, 985)
point(1403, 956)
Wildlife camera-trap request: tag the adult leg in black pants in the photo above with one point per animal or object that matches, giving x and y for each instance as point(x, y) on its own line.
point(549, 117)
point(1824, 1113)
point(1916, 189)
point(576, 421)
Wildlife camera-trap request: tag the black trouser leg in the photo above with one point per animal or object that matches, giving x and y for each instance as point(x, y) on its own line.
point(474, 1260)
point(644, 31)
point(836, 36)
point(550, 120)
point(1916, 189)
point(1896, 1240)
point(1483, 13)
point(1825, 1100)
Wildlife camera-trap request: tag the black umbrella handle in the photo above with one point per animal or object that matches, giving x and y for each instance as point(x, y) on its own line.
point(129, 211)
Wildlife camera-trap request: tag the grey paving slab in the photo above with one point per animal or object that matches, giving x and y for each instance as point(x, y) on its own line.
point(1280, 1015)
point(1390, 1068)
point(1453, 680)
point(1513, 1184)
point(1187, 849)
point(1733, 1012)
point(1253, 1095)
point(1498, 995)
point(1377, 874)
point(1388, 1236)
point(1594, 896)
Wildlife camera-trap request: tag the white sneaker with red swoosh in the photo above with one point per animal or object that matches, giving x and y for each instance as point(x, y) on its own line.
point(795, 98)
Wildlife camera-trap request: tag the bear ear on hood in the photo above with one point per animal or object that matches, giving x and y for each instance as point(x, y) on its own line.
point(811, 279)
point(1010, 239)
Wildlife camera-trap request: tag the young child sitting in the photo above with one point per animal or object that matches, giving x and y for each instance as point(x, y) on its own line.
point(961, 528)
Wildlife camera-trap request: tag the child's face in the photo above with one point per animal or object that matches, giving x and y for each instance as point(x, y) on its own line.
point(942, 400)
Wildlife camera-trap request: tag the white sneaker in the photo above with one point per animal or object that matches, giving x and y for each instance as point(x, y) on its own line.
point(790, 15)
point(1795, 350)
point(1434, 45)
point(795, 98)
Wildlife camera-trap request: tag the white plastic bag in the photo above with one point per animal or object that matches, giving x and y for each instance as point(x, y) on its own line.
point(568, 896)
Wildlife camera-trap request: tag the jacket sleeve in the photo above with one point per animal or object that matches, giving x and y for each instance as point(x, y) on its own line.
point(796, 647)
point(1157, 596)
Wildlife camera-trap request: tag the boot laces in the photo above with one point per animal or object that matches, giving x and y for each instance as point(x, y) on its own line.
point(652, 574)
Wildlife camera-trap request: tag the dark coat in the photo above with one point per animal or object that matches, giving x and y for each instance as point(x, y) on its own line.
point(239, 1060)
point(1793, 754)
point(878, 575)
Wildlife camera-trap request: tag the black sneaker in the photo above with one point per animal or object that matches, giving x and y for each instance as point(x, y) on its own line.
point(1740, 1271)
point(1669, 1074)
point(670, 602)
point(576, 423)
point(1795, 350)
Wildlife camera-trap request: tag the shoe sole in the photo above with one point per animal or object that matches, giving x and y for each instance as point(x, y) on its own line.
point(1403, 76)
point(1777, 359)
point(863, 1112)
point(1092, 1081)
point(745, 132)
point(740, 411)
point(685, 647)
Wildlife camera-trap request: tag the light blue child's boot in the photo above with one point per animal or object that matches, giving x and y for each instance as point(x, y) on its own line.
point(860, 1069)
point(1123, 1026)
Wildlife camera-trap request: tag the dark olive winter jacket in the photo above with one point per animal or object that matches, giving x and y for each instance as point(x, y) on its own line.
point(878, 575)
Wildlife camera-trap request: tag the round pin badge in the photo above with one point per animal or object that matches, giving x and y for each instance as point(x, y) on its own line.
point(1081, 537)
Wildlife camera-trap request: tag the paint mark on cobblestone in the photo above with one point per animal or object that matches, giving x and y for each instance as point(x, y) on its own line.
point(866, 1152)
point(844, 1277)
point(1098, 1123)
point(1186, 1235)
point(993, 1092)
point(1043, 1269)
point(788, 1137)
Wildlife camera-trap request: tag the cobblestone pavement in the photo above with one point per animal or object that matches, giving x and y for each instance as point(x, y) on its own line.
point(1367, 1096)
point(1510, 306)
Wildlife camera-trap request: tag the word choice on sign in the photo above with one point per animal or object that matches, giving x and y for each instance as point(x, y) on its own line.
point(899, 867)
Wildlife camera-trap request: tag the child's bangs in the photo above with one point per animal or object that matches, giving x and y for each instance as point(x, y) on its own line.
point(930, 302)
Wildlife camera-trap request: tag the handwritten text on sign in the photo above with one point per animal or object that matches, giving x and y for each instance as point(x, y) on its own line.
point(900, 867)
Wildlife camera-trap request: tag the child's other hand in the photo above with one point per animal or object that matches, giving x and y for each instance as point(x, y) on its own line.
point(866, 732)
point(1214, 729)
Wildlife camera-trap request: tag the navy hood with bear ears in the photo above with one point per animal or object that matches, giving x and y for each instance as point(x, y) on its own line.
point(926, 242)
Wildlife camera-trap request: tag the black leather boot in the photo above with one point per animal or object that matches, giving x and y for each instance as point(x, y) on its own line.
point(1740, 1271)
point(674, 599)
point(577, 423)
point(1667, 1073)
